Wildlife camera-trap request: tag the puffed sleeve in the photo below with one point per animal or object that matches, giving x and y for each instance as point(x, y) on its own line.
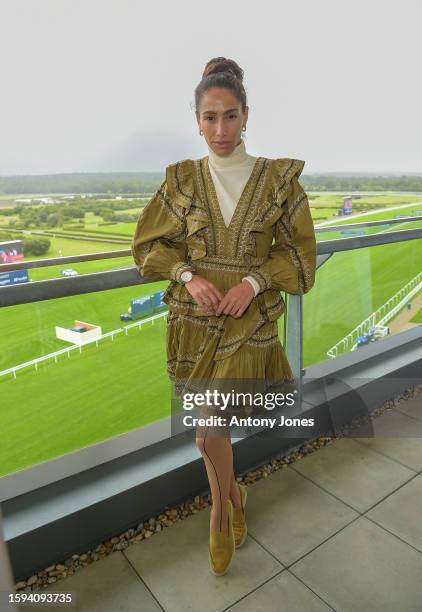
point(159, 244)
point(291, 263)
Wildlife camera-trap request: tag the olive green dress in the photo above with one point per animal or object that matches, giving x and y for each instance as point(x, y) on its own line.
point(270, 237)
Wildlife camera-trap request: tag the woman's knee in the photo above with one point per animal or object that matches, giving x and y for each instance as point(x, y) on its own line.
point(200, 442)
point(213, 439)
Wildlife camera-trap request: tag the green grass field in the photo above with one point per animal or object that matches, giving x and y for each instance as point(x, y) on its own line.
point(104, 231)
point(417, 318)
point(125, 229)
point(84, 399)
point(28, 330)
point(380, 216)
point(349, 287)
point(92, 219)
point(122, 385)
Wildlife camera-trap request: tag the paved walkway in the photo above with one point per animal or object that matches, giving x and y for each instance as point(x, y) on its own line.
point(340, 529)
point(402, 321)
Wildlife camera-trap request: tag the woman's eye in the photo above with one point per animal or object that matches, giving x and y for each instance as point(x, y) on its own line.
point(211, 118)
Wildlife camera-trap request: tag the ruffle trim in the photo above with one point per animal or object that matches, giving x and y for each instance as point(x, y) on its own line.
point(180, 179)
point(266, 365)
point(282, 173)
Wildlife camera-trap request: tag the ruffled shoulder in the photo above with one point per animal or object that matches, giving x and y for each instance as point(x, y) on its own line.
point(180, 183)
point(181, 189)
point(282, 173)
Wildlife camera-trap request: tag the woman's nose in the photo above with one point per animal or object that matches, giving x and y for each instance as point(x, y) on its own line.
point(220, 130)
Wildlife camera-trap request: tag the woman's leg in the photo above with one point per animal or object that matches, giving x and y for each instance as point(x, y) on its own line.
point(234, 489)
point(216, 449)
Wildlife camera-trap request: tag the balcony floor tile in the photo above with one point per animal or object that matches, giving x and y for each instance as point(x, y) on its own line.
point(412, 407)
point(108, 585)
point(398, 436)
point(363, 567)
point(355, 474)
point(284, 592)
point(174, 565)
point(401, 513)
point(290, 515)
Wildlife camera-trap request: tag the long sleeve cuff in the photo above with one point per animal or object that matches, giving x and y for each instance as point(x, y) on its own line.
point(253, 282)
point(177, 270)
point(260, 280)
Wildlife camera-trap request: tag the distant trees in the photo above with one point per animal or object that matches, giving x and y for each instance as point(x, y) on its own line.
point(86, 182)
point(35, 246)
point(109, 183)
point(60, 213)
point(53, 220)
point(31, 246)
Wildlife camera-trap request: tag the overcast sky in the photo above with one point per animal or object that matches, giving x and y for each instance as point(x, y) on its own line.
point(108, 85)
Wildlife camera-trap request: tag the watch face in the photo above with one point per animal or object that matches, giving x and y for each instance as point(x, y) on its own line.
point(186, 276)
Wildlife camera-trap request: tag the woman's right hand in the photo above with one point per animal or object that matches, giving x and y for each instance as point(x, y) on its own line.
point(205, 293)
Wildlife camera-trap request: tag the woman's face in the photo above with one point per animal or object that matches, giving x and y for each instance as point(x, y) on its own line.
point(221, 119)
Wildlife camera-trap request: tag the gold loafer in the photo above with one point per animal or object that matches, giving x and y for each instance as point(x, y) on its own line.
point(239, 518)
point(221, 547)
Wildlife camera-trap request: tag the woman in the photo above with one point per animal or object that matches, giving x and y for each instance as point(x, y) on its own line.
point(209, 229)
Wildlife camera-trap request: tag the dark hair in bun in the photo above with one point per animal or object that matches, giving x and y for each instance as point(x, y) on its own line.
point(222, 72)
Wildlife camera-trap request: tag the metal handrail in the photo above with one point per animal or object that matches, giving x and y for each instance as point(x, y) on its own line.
point(359, 224)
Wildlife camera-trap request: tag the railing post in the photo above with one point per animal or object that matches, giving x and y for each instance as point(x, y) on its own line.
point(6, 577)
point(294, 340)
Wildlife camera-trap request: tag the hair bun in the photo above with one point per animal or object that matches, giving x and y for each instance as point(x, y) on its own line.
point(223, 64)
point(224, 73)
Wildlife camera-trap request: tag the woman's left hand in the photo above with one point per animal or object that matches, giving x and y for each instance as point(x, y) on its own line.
point(236, 300)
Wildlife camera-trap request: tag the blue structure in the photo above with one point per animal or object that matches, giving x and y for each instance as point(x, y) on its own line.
point(14, 277)
point(144, 306)
point(157, 300)
point(11, 251)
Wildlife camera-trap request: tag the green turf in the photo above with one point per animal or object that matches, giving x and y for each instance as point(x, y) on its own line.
point(84, 398)
point(125, 229)
point(349, 287)
point(101, 231)
point(417, 318)
point(28, 330)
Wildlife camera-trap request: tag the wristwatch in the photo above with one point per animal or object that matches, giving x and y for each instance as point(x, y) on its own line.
point(186, 276)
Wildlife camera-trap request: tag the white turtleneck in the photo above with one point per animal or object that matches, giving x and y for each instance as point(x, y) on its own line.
point(230, 175)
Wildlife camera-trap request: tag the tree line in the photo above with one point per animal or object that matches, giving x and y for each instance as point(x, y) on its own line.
point(31, 246)
point(58, 214)
point(109, 183)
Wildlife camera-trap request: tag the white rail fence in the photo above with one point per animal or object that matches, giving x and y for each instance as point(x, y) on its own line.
point(378, 318)
point(68, 349)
